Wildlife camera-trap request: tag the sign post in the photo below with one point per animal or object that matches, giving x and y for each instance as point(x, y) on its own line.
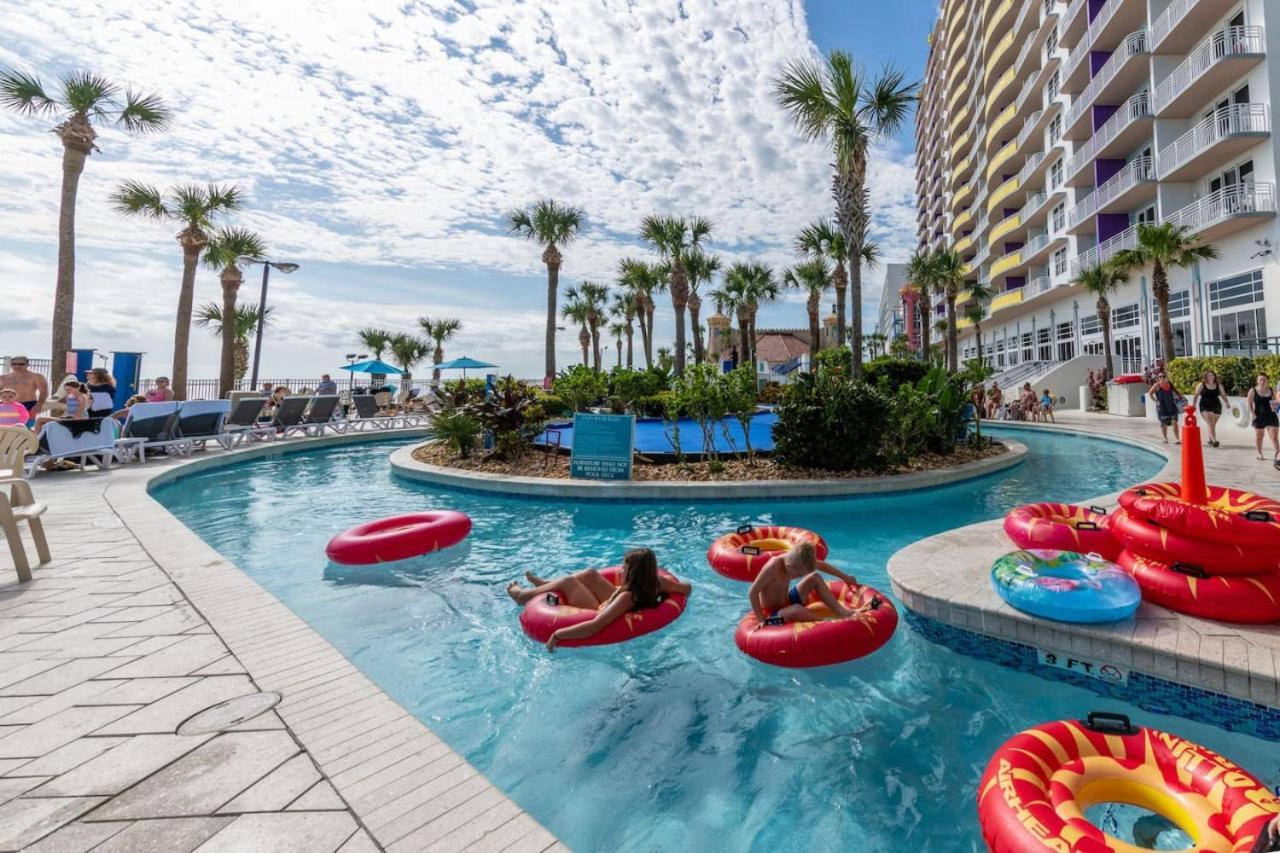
point(602, 446)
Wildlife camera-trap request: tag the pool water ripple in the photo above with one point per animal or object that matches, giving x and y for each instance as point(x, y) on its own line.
point(675, 741)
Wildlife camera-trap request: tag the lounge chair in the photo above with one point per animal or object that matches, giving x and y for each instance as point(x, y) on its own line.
point(19, 505)
point(201, 421)
point(242, 425)
point(289, 414)
point(152, 427)
point(317, 415)
point(83, 441)
point(367, 414)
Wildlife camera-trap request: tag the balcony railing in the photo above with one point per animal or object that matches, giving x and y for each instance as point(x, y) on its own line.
point(1224, 122)
point(1033, 162)
point(1139, 106)
point(1028, 126)
point(1103, 252)
point(1169, 18)
point(1033, 204)
point(1134, 44)
point(1135, 172)
point(1037, 286)
point(1225, 203)
point(1076, 7)
point(1229, 41)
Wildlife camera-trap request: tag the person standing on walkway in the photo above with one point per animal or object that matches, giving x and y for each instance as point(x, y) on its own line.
point(32, 388)
point(1166, 399)
point(1261, 405)
point(1209, 400)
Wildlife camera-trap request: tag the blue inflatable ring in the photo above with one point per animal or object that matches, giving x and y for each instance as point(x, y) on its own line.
point(1065, 586)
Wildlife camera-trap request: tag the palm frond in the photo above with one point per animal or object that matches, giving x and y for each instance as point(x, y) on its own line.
point(24, 93)
point(88, 93)
point(440, 329)
point(224, 197)
point(209, 315)
point(546, 222)
point(144, 113)
point(870, 254)
point(228, 245)
point(802, 92)
point(134, 198)
point(887, 101)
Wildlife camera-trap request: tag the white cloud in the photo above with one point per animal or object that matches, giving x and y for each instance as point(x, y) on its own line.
point(388, 138)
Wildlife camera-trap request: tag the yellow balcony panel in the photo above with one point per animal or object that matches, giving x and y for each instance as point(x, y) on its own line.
point(962, 220)
point(999, 122)
point(964, 244)
point(1008, 262)
point(993, 62)
point(963, 323)
point(1010, 224)
point(1001, 157)
point(963, 197)
point(962, 168)
point(993, 20)
point(999, 87)
point(1002, 192)
point(1006, 300)
point(963, 296)
point(954, 101)
point(961, 144)
point(959, 119)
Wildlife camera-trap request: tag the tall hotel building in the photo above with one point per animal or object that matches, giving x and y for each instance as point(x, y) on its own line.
point(1047, 131)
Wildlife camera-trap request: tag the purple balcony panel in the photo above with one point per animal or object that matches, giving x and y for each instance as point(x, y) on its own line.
point(1095, 6)
point(1103, 169)
point(1097, 59)
point(1013, 282)
point(1111, 224)
point(1012, 247)
point(1009, 211)
point(1102, 112)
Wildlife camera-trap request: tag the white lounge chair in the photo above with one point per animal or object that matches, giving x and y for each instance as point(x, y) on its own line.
point(84, 441)
point(18, 504)
point(153, 427)
point(242, 425)
point(316, 415)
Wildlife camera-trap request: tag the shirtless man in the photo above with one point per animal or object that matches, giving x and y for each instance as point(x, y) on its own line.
point(785, 582)
point(32, 388)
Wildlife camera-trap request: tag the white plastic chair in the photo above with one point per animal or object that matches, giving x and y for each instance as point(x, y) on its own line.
point(19, 504)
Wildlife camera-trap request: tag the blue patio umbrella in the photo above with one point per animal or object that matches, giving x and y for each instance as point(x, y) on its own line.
point(375, 366)
point(464, 364)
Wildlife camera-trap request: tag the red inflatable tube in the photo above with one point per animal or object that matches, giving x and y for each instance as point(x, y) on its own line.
point(1148, 539)
point(741, 555)
point(540, 618)
point(1232, 516)
point(805, 644)
point(1061, 527)
point(1038, 785)
point(1252, 600)
point(398, 537)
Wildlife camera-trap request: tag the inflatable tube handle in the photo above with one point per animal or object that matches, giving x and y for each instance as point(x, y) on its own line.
point(750, 550)
point(1099, 510)
point(1105, 722)
point(553, 599)
point(745, 528)
point(1257, 515)
point(1189, 570)
point(1086, 525)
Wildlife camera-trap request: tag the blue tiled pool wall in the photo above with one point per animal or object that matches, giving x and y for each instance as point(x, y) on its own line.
point(1146, 691)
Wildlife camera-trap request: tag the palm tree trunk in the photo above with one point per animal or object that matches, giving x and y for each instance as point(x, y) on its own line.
point(437, 358)
point(695, 306)
point(977, 334)
point(744, 338)
point(619, 343)
point(814, 330)
point(553, 287)
point(1104, 320)
point(231, 279)
point(679, 297)
point(630, 333)
point(1160, 290)
point(648, 338)
point(926, 317)
point(841, 285)
point(584, 341)
point(241, 359)
point(953, 344)
point(182, 323)
point(595, 346)
point(74, 153)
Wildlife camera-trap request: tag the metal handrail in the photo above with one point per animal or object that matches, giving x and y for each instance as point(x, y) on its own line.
point(1134, 172)
point(1223, 122)
point(1139, 106)
point(1224, 203)
point(1163, 25)
point(1228, 41)
point(1126, 239)
point(1135, 43)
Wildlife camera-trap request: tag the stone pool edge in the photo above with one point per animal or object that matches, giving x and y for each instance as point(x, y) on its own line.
point(404, 465)
point(1158, 646)
point(281, 652)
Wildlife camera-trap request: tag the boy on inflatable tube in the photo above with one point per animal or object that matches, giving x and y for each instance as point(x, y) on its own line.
point(780, 590)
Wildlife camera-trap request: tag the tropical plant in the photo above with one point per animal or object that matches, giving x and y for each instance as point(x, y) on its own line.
point(830, 421)
point(975, 310)
point(577, 311)
point(439, 330)
point(730, 300)
point(228, 248)
point(701, 267)
point(623, 310)
point(194, 207)
point(375, 340)
point(875, 344)
point(738, 392)
point(458, 429)
point(1162, 247)
point(675, 239)
point(552, 226)
point(244, 321)
point(407, 351)
point(698, 395)
point(891, 372)
point(750, 284)
point(581, 387)
point(1100, 282)
point(821, 239)
point(927, 417)
point(627, 386)
point(834, 101)
point(812, 278)
point(922, 281)
point(594, 300)
point(512, 414)
point(642, 280)
point(618, 331)
point(951, 271)
point(80, 99)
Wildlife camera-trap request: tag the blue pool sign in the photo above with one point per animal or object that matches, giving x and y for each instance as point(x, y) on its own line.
point(602, 446)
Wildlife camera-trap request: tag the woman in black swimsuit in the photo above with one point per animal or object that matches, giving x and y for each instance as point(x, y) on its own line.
point(1209, 400)
point(1264, 416)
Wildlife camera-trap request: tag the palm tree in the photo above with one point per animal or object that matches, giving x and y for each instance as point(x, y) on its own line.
point(675, 239)
point(701, 267)
point(439, 330)
point(729, 302)
point(552, 226)
point(624, 310)
point(834, 101)
point(245, 321)
point(194, 207)
point(951, 271)
point(813, 277)
point(875, 343)
point(1102, 281)
point(80, 99)
point(643, 279)
point(821, 239)
point(594, 298)
point(375, 340)
point(618, 331)
point(1162, 247)
point(754, 284)
point(227, 249)
point(975, 310)
point(922, 276)
point(407, 351)
point(575, 310)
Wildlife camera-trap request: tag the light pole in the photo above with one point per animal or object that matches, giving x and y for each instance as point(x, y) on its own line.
point(352, 358)
point(284, 267)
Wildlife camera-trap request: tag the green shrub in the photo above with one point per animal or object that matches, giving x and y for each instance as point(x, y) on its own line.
point(652, 407)
point(513, 414)
point(456, 429)
point(554, 406)
point(626, 386)
point(1235, 372)
point(828, 421)
point(894, 371)
point(771, 393)
point(699, 394)
point(581, 387)
point(738, 390)
point(927, 417)
point(461, 392)
point(838, 359)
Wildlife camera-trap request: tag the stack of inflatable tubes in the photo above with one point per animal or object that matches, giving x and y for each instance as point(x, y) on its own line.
point(1220, 560)
point(1038, 785)
point(543, 615)
point(830, 641)
point(742, 554)
point(1061, 527)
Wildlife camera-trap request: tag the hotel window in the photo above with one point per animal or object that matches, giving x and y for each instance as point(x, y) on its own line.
point(1237, 318)
point(1055, 85)
point(1055, 175)
point(1055, 129)
point(1124, 317)
point(1059, 218)
point(1066, 341)
point(999, 353)
point(1090, 326)
point(1179, 320)
point(1044, 347)
point(1060, 261)
point(1027, 350)
point(1146, 216)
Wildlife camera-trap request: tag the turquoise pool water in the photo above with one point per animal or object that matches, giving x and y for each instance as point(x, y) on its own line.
point(676, 741)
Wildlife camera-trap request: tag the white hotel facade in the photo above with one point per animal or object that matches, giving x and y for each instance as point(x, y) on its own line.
point(1048, 130)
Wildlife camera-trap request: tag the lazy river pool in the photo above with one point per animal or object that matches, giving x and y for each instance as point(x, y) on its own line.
point(675, 741)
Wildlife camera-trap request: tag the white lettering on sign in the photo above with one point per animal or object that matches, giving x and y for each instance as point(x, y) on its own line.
point(1108, 672)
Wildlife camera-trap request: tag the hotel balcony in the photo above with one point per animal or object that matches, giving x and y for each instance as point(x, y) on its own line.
point(1005, 300)
point(1002, 55)
point(1010, 191)
point(1118, 77)
point(1227, 210)
point(1214, 141)
point(1040, 247)
point(1130, 124)
point(1114, 19)
point(1036, 211)
point(998, 21)
point(961, 199)
point(1105, 251)
point(1074, 23)
point(1004, 264)
point(1211, 67)
point(1183, 22)
point(1003, 228)
point(1125, 189)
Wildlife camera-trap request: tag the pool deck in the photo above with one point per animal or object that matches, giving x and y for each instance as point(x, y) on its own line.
point(136, 626)
point(947, 578)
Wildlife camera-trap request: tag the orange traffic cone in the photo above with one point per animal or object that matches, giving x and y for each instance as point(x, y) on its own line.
point(1193, 487)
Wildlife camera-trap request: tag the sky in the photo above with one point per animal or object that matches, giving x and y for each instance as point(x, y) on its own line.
point(379, 143)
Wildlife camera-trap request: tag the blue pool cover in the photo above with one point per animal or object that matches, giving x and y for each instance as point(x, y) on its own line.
point(653, 435)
